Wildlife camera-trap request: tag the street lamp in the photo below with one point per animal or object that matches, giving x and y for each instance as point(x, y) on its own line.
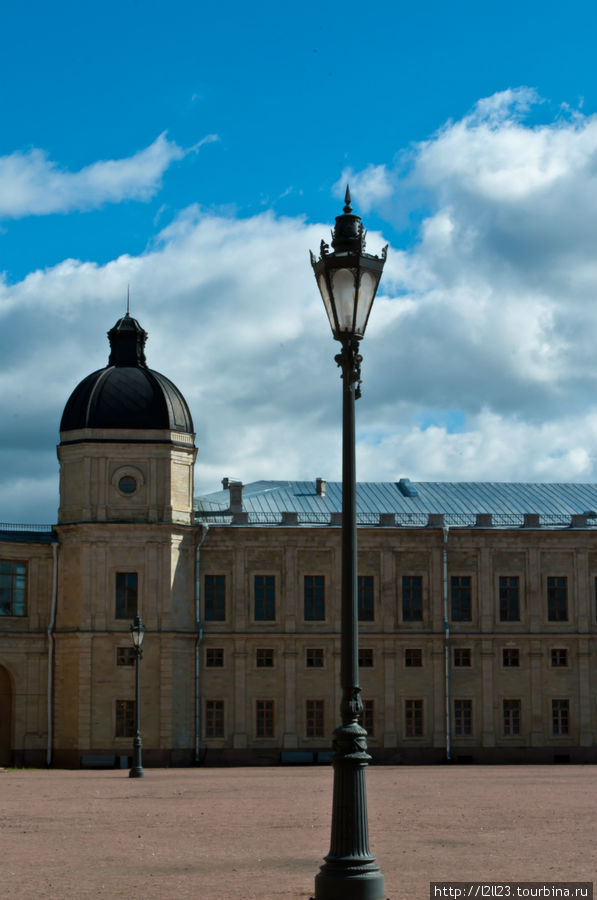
point(347, 279)
point(137, 631)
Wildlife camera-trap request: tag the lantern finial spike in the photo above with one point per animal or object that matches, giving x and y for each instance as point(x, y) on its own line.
point(347, 200)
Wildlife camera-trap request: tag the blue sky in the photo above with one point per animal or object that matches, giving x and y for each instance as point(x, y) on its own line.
point(198, 150)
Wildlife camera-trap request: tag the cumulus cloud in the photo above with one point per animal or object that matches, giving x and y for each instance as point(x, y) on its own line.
point(31, 184)
point(479, 357)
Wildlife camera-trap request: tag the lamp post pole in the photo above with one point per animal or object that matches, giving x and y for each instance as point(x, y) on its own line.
point(137, 630)
point(348, 280)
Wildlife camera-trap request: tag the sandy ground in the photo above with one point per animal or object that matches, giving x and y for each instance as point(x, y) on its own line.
point(239, 834)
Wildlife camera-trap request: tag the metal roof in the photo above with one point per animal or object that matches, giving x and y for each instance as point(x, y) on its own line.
point(27, 534)
point(413, 502)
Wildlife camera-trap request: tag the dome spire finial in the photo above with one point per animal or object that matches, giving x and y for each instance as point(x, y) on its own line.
point(348, 201)
point(128, 299)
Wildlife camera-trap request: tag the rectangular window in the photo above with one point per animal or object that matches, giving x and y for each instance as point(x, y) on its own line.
point(557, 598)
point(413, 657)
point(126, 595)
point(314, 658)
point(265, 598)
point(264, 658)
point(314, 591)
point(365, 658)
point(264, 724)
point(214, 718)
point(214, 657)
point(413, 718)
point(367, 720)
point(560, 714)
point(214, 598)
point(511, 710)
point(462, 656)
point(125, 718)
point(315, 723)
point(510, 657)
point(559, 657)
point(13, 587)
point(509, 598)
point(460, 593)
point(412, 598)
point(366, 598)
point(125, 656)
point(463, 718)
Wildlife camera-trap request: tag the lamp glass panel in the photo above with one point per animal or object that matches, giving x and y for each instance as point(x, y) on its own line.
point(137, 635)
point(367, 289)
point(343, 286)
point(325, 296)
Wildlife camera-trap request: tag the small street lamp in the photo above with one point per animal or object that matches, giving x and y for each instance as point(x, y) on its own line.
point(137, 631)
point(347, 279)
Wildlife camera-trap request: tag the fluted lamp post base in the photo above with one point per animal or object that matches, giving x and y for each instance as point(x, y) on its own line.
point(350, 871)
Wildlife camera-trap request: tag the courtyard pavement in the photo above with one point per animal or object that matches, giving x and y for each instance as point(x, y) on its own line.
point(248, 833)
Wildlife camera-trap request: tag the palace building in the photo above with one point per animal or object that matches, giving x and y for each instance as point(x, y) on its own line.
point(477, 605)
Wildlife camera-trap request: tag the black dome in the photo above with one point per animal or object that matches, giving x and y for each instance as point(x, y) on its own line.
point(126, 394)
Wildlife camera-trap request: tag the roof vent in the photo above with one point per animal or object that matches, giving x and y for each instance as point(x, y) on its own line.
point(578, 521)
point(289, 518)
point(387, 519)
point(435, 520)
point(336, 518)
point(531, 520)
point(483, 520)
point(407, 488)
point(320, 487)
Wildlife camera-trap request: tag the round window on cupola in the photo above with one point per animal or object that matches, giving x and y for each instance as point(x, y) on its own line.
point(128, 481)
point(127, 484)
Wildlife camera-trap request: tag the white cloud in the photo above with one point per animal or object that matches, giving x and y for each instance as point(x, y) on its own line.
point(372, 185)
point(479, 359)
point(31, 184)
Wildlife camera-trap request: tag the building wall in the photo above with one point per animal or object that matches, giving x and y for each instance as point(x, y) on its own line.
point(386, 555)
point(87, 636)
point(24, 658)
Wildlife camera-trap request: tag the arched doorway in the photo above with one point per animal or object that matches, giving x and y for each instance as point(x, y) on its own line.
point(5, 718)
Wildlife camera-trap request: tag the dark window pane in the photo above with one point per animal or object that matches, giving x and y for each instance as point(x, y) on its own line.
point(314, 658)
point(511, 718)
point(365, 658)
point(214, 657)
point(557, 598)
point(214, 593)
point(126, 595)
point(413, 718)
point(314, 598)
point(460, 591)
point(559, 657)
point(315, 718)
point(509, 598)
point(463, 718)
point(214, 718)
point(462, 656)
point(125, 656)
point(264, 710)
point(265, 598)
point(560, 710)
point(413, 657)
point(264, 658)
point(412, 598)
point(13, 588)
point(511, 657)
point(366, 598)
point(125, 718)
